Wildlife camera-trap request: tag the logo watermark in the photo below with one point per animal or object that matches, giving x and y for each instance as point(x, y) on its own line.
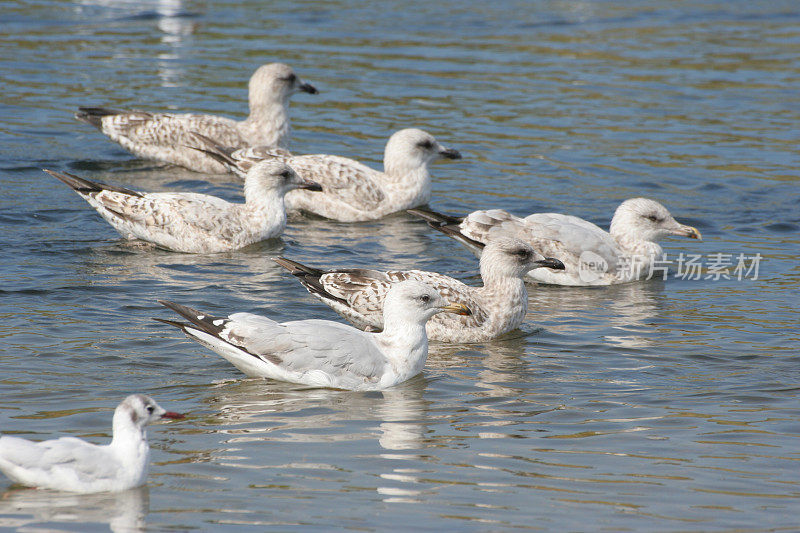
point(591, 266)
point(714, 266)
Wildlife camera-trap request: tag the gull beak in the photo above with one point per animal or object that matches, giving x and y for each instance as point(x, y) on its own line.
point(173, 415)
point(310, 185)
point(549, 262)
point(687, 231)
point(307, 88)
point(459, 309)
point(450, 153)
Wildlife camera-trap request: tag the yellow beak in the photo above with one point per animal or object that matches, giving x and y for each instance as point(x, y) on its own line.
point(692, 233)
point(459, 309)
point(686, 231)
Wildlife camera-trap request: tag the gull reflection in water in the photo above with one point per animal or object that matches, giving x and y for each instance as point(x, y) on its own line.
point(403, 425)
point(175, 27)
point(404, 429)
point(248, 273)
point(495, 378)
point(172, 20)
point(622, 314)
point(394, 242)
point(122, 511)
point(254, 410)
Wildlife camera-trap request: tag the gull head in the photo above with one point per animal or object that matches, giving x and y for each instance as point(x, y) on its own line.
point(507, 257)
point(275, 82)
point(647, 220)
point(275, 176)
point(417, 302)
point(139, 410)
point(411, 149)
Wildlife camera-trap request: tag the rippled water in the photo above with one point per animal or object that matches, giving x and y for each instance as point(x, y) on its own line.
point(661, 405)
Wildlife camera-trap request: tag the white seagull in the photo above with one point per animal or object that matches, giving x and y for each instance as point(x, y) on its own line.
point(320, 353)
point(592, 256)
point(498, 307)
point(352, 191)
point(165, 136)
point(74, 465)
point(196, 223)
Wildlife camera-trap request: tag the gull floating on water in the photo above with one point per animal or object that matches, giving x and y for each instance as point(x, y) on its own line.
point(496, 308)
point(321, 353)
point(352, 192)
point(74, 465)
point(196, 223)
point(592, 256)
point(165, 136)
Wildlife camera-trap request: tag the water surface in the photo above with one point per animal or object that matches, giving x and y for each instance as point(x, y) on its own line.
point(662, 405)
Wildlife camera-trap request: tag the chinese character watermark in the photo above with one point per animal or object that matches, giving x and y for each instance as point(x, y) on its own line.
point(715, 266)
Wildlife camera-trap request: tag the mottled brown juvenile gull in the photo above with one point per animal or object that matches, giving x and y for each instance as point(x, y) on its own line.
point(196, 223)
point(321, 353)
point(497, 308)
point(165, 136)
point(592, 256)
point(74, 465)
point(352, 192)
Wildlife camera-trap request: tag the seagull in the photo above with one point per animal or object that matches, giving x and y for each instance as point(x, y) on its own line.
point(320, 353)
point(196, 223)
point(74, 465)
point(496, 308)
point(352, 191)
point(164, 136)
point(592, 256)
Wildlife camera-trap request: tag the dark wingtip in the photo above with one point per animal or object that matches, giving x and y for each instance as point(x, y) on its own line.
point(434, 217)
point(184, 311)
point(457, 235)
point(179, 325)
point(94, 115)
point(288, 264)
point(198, 319)
point(74, 182)
point(309, 277)
point(447, 225)
point(212, 149)
point(82, 185)
point(297, 269)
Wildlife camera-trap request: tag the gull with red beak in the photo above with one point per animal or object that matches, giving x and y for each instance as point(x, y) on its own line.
point(74, 465)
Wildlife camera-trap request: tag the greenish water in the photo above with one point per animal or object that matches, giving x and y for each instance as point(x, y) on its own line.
point(662, 405)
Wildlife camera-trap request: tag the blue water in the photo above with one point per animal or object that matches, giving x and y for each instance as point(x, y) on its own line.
point(656, 406)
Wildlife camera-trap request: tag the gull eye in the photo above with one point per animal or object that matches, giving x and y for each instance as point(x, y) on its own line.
point(653, 218)
point(291, 78)
point(285, 174)
point(521, 252)
point(426, 144)
point(150, 409)
point(425, 298)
